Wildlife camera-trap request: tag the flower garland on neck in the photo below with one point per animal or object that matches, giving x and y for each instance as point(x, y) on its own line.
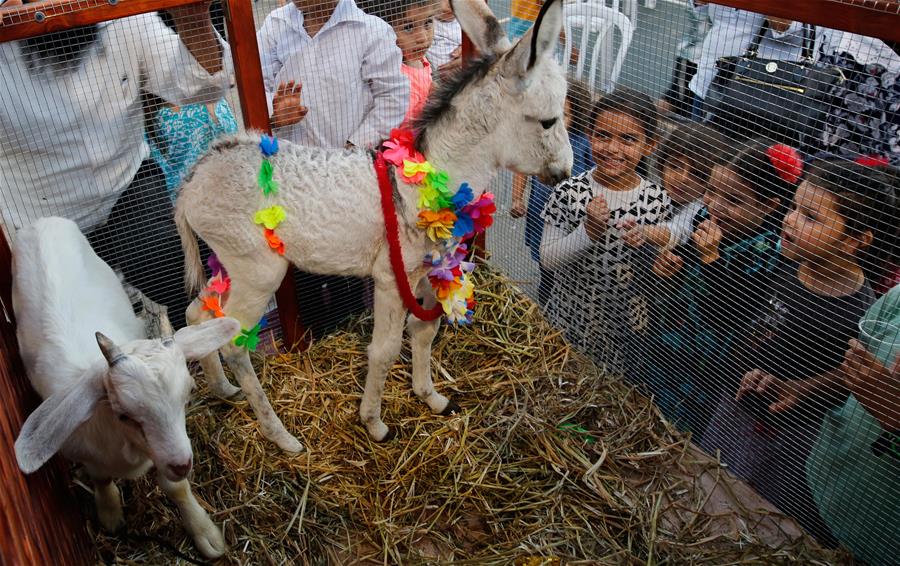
point(449, 218)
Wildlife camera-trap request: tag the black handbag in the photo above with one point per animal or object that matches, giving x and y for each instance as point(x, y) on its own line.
point(786, 101)
point(678, 95)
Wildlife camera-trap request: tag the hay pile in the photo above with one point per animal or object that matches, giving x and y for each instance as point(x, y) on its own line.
point(550, 463)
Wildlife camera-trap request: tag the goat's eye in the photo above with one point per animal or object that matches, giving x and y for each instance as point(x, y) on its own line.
point(124, 418)
point(547, 124)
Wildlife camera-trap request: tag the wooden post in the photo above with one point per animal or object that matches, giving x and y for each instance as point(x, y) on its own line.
point(255, 109)
point(39, 520)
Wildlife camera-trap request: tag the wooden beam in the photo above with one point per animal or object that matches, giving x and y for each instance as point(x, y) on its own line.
point(38, 18)
point(875, 18)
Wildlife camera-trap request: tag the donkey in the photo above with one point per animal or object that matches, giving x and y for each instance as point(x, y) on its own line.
point(504, 110)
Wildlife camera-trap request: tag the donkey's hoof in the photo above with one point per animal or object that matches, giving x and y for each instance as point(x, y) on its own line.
point(284, 440)
point(228, 392)
point(452, 408)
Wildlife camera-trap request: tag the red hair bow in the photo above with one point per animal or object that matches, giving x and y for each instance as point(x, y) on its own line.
point(873, 161)
point(786, 161)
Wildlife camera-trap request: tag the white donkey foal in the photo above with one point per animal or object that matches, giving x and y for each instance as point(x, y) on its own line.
point(504, 110)
point(117, 409)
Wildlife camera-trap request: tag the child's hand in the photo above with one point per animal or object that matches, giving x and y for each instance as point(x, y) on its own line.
point(454, 64)
point(707, 239)
point(632, 233)
point(667, 264)
point(597, 220)
point(518, 209)
point(876, 387)
point(786, 392)
point(287, 107)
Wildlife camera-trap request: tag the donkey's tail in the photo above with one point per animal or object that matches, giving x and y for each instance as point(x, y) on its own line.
point(194, 277)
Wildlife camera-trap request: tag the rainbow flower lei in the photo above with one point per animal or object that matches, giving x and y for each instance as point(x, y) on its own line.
point(449, 218)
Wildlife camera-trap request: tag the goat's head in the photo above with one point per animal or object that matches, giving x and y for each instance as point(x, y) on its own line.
point(146, 384)
point(512, 96)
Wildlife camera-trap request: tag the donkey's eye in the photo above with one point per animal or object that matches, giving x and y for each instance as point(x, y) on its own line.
point(547, 124)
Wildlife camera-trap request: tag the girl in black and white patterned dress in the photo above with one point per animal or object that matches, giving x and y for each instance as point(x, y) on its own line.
point(596, 298)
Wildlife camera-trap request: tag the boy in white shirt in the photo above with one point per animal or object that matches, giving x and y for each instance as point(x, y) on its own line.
point(348, 66)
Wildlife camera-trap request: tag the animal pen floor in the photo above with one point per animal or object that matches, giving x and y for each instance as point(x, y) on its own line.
point(550, 463)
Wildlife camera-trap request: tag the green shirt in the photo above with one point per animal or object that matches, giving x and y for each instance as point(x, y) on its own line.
point(858, 493)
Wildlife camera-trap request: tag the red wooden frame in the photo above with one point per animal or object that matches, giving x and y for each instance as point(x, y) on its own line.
point(35, 511)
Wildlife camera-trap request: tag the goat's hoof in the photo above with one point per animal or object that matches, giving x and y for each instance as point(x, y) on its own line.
point(391, 435)
point(209, 540)
point(111, 518)
point(452, 408)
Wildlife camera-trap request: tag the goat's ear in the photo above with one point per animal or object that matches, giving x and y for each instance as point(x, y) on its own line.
point(54, 421)
point(539, 41)
point(481, 26)
point(206, 338)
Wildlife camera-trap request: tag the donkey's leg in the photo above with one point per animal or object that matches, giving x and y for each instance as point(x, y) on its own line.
point(421, 336)
point(387, 338)
point(207, 537)
point(211, 364)
point(253, 281)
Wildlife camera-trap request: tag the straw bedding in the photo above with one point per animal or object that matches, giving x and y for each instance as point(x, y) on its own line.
point(551, 463)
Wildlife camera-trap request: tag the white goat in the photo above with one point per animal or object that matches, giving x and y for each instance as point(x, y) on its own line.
point(119, 409)
point(506, 110)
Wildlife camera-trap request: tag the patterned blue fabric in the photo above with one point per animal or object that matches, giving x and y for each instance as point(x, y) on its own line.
point(184, 136)
point(540, 193)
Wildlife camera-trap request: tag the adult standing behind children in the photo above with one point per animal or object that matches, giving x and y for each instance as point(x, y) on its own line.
point(73, 135)
point(347, 65)
point(854, 464)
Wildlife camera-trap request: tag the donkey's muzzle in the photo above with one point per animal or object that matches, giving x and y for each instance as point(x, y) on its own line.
point(553, 176)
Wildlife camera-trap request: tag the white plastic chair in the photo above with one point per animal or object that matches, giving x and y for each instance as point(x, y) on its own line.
point(597, 20)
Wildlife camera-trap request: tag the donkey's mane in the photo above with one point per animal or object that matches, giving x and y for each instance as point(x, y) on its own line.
point(439, 102)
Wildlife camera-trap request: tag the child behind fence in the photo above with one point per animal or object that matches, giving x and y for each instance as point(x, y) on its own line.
point(764, 428)
point(685, 161)
point(726, 268)
point(413, 23)
point(595, 296)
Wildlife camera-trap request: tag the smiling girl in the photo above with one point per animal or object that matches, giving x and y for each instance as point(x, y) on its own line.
point(595, 296)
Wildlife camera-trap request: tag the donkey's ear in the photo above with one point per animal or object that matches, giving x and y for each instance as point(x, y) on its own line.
point(203, 339)
point(481, 26)
point(539, 41)
point(54, 421)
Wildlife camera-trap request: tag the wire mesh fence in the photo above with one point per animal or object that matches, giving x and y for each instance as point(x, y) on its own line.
point(725, 243)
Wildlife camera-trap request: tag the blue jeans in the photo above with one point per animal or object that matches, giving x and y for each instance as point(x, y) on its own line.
point(698, 114)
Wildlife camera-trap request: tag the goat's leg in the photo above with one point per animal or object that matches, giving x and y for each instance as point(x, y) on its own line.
point(109, 503)
point(253, 282)
point(211, 364)
point(207, 537)
point(421, 335)
point(387, 338)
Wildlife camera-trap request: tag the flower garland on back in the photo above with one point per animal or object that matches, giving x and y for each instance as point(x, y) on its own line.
point(269, 218)
point(449, 219)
